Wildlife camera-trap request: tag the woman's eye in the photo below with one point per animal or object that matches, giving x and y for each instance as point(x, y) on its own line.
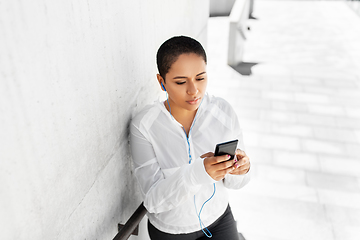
point(199, 79)
point(179, 83)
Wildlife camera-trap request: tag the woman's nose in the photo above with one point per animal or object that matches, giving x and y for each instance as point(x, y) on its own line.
point(192, 89)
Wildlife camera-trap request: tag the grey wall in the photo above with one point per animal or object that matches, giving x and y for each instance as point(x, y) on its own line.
point(72, 73)
point(221, 7)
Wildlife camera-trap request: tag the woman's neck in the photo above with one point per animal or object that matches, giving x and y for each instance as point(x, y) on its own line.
point(183, 116)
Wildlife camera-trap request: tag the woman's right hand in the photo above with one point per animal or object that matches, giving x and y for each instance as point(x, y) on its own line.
point(218, 167)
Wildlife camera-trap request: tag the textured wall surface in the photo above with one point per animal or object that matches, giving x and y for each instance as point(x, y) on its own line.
point(72, 73)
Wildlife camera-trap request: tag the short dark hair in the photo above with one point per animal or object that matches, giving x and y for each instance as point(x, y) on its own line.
point(172, 48)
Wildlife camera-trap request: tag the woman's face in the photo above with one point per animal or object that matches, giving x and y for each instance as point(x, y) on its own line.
point(186, 82)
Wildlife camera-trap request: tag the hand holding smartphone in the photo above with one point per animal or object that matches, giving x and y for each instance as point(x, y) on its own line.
point(226, 148)
point(217, 168)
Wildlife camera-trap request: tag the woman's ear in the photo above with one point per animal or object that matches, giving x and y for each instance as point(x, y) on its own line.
point(161, 81)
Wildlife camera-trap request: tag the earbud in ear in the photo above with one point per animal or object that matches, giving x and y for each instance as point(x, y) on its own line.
point(163, 87)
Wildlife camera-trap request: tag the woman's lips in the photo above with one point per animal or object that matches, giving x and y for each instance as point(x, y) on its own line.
point(193, 102)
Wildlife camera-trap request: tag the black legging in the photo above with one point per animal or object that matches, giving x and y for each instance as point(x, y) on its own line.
point(223, 228)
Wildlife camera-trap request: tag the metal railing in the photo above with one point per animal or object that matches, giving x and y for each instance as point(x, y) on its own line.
point(131, 226)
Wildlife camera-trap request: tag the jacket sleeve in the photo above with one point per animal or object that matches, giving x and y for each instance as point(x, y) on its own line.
point(162, 190)
point(236, 181)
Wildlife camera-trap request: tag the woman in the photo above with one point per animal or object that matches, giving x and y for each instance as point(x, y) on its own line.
point(183, 183)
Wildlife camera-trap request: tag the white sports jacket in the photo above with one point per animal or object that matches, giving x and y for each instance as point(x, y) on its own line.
point(161, 161)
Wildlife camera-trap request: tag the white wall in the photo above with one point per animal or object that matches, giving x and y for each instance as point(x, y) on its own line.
point(71, 75)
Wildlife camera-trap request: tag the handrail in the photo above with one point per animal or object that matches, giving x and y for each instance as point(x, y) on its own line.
point(131, 223)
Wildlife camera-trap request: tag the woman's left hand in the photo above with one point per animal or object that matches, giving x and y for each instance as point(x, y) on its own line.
point(242, 165)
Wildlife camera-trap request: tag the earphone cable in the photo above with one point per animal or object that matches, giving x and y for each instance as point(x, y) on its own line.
point(202, 226)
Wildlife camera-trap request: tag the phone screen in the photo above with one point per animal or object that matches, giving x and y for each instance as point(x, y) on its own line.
point(226, 148)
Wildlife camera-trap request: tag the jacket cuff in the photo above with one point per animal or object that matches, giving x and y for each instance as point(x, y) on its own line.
point(237, 181)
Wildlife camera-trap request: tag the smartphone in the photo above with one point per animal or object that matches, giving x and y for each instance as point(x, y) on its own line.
point(226, 148)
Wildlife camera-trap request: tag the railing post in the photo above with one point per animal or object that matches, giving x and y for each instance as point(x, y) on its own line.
point(131, 224)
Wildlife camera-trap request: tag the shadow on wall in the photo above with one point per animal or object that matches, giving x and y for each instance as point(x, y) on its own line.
point(221, 7)
point(244, 68)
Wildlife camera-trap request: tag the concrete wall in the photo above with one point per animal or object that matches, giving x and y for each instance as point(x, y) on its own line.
point(72, 73)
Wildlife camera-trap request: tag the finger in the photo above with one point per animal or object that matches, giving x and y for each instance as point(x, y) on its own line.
point(233, 171)
point(224, 165)
point(243, 161)
point(245, 170)
point(239, 172)
point(208, 154)
point(240, 153)
point(219, 159)
point(241, 168)
point(239, 157)
point(221, 174)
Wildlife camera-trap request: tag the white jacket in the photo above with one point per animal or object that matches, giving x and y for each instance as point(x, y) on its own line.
point(161, 160)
